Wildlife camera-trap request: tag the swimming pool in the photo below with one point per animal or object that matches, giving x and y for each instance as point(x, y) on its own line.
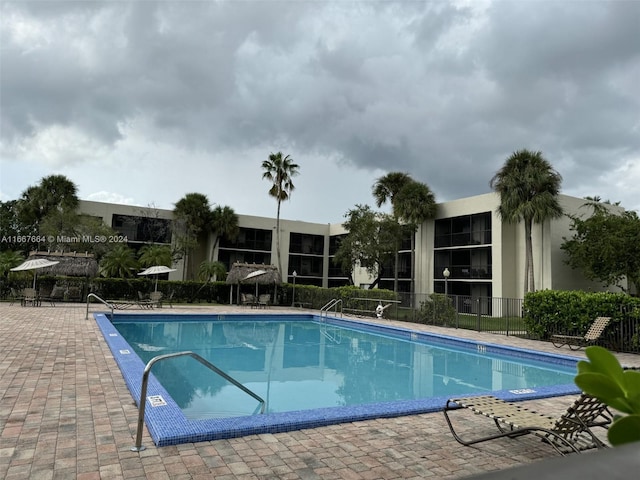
point(311, 373)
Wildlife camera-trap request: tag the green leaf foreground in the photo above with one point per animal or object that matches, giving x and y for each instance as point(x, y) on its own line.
point(604, 378)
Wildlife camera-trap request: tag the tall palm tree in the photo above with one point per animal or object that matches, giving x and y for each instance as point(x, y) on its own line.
point(528, 187)
point(415, 203)
point(279, 170)
point(385, 189)
point(193, 222)
point(224, 223)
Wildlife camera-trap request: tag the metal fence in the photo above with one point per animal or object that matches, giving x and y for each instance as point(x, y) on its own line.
point(501, 316)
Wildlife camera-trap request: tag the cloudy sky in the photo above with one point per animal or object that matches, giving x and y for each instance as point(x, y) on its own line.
point(141, 102)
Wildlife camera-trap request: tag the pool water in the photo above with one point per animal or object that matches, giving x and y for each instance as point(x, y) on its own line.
point(302, 364)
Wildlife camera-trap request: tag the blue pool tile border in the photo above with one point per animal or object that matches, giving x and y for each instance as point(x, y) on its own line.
point(167, 424)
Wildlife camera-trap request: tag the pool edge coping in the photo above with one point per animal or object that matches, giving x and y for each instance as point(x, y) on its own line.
point(168, 425)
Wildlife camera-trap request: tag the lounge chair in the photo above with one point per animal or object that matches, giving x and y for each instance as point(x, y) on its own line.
point(144, 301)
point(156, 299)
point(576, 342)
point(571, 432)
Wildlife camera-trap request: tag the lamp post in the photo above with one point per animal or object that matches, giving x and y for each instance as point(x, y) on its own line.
point(293, 296)
point(446, 274)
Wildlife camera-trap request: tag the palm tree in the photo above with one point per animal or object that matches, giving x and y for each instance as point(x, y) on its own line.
point(119, 262)
point(385, 190)
point(56, 195)
point(415, 203)
point(193, 222)
point(224, 223)
point(211, 270)
point(279, 170)
point(9, 259)
point(528, 187)
point(151, 255)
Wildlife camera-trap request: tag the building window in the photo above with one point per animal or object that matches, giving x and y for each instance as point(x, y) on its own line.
point(306, 244)
point(462, 231)
point(142, 229)
point(249, 239)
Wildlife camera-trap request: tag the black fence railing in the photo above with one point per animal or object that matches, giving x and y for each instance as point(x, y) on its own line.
point(502, 316)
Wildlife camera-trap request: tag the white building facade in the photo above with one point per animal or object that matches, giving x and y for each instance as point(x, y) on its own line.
point(484, 256)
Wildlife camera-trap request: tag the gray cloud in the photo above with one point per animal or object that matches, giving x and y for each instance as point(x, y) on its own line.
point(442, 90)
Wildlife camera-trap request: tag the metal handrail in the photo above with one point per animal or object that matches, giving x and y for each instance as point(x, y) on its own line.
point(138, 447)
point(93, 295)
point(334, 302)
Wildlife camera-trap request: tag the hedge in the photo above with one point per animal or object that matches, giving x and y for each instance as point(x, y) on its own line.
point(572, 312)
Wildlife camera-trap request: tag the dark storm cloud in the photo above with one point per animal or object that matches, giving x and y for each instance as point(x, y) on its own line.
point(444, 91)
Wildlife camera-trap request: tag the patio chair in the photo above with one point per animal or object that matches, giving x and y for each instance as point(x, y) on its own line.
point(16, 297)
point(264, 300)
point(576, 342)
point(156, 299)
point(169, 299)
point(44, 295)
point(30, 296)
point(144, 301)
point(247, 299)
point(571, 432)
point(57, 295)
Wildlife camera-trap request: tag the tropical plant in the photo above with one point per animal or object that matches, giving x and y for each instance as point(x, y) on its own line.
point(151, 255)
point(224, 224)
point(55, 192)
point(11, 227)
point(119, 262)
point(193, 222)
point(279, 170)
point(369, 242)
point(438, 309)
point(528, 187)
point(604, 378)
point(386, 189)
point(9, 259)
point(605, 246)
point(211, 270)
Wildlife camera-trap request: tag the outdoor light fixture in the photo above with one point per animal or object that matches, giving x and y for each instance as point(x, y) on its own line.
point(446, 274)
point(293, 296)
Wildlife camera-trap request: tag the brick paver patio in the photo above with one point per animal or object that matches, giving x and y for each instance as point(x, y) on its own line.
point(65, 412)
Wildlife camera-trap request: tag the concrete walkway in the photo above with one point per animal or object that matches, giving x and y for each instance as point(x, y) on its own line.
point(65, 412)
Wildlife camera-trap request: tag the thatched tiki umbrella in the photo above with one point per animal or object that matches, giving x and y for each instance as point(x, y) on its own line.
point(70, 264)
point(240, 271)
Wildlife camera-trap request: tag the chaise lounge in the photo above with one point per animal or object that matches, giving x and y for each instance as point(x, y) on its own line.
point(571, 432)
point(576, 342)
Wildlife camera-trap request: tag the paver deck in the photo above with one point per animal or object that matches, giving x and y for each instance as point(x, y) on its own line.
point(65, 412)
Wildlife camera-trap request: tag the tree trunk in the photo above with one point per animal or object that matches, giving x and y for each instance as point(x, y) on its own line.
point(395, 269)
point(279, 263)
point(528, 269)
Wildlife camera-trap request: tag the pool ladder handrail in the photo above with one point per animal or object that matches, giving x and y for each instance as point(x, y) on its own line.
point(93, 295)
point(333, 303)
point(138, 447)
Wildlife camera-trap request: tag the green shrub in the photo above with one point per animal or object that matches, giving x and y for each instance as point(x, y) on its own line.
point(437, 310)
point(572, 312)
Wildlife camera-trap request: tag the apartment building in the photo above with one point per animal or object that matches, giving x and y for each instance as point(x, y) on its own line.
point(483, 256)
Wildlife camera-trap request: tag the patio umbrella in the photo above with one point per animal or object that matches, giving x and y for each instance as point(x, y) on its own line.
point(34, 265)
point(255, 275)
point(157, 270)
